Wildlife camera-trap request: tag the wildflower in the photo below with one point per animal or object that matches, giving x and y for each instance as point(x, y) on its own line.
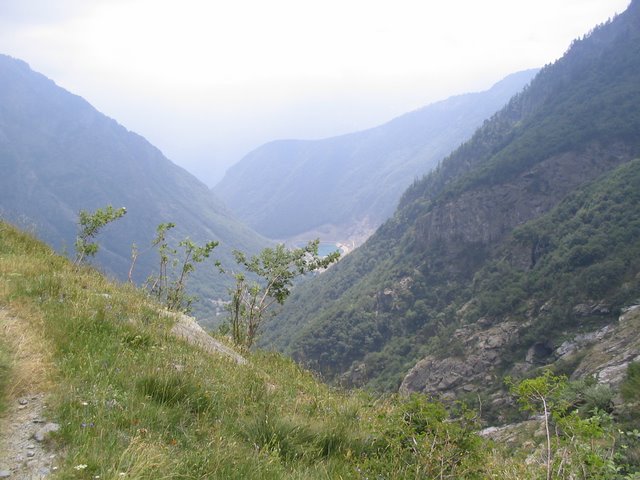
point(82, 466)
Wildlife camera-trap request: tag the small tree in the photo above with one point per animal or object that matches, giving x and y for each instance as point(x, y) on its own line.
point(177, 298)
point(535, 394)
point(172, 292)
point(90, 224)
point(276, 269)
point(159, 284)
point(584, 447)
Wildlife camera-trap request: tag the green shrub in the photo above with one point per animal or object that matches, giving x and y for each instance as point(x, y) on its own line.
point(630, 388)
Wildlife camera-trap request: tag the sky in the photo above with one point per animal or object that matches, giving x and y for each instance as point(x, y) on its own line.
point(207, 81)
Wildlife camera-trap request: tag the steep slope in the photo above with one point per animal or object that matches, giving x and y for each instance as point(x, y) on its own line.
point(92, 368)
point(449, 258)
point(59, 155)
point(349, 184)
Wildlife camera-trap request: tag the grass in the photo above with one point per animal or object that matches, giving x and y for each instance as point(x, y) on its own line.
point(5, 374)
point(134, 401)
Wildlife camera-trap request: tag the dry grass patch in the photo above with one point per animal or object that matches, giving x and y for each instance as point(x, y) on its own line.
point(29, 353)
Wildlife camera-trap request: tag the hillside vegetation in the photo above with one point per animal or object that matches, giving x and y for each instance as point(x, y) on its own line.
point(518, 235)
point(133, 401)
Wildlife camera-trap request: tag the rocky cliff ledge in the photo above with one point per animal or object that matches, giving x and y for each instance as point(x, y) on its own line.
point(603, 354)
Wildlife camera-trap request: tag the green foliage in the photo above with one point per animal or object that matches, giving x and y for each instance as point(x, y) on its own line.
point(133, 400)
point(388, 331)
point(539, 393)
point(176, 390)
point(629, 419)
point(276, 269)
point(169, 285)
point(630, 388)
point(577, 445)
point(425, 272)
point(90, 225)
point(420, 440)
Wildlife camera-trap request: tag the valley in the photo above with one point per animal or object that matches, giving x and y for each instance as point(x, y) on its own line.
point(454, 293)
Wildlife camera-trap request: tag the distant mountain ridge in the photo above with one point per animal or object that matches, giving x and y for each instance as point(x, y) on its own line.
point(352, 182)
point(59, 155)
point(525, 237)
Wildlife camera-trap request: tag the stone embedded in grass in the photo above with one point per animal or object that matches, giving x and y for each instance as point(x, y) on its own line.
point(41, 434)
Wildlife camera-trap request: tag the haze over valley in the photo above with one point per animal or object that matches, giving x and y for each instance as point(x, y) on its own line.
point(208, 82)
point(481, 318)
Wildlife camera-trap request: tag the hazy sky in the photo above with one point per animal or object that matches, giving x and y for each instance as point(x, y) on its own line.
point(208, 81)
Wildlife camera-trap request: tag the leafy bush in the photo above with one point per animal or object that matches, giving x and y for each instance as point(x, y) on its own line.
point(630, 388)
point(419, 439)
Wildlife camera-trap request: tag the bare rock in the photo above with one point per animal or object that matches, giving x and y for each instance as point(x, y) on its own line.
point(44, 431)
point(440, 376)
point(591, 309)
point(581, 341)
point(188, 329)
point(612, 350)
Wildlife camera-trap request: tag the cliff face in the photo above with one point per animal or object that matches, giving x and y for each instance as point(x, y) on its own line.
point(488, 215)
point(603, 354)
point(558, 315)
point(487, 258)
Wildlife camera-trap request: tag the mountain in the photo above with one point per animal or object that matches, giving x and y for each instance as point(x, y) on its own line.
point(59, 155)
point(342, 188)
point(524, 239)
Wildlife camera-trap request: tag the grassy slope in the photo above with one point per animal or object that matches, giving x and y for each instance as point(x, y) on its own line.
point(135, 402)
point(5, 372)
point(132, 399)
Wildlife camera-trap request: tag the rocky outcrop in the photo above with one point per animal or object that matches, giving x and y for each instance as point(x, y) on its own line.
point(604, 354)
point(188, 329)
point(444, 377)
point(488, 215)
point(612, 350)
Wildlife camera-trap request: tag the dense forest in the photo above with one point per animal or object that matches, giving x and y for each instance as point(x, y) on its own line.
point(523, 222)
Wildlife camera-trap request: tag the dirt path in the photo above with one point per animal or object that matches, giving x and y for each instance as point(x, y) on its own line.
point(24, 452)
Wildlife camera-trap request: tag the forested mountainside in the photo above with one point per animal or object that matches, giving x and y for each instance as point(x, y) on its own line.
point(524, 238)
point(59, 155)
point(342, 186)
